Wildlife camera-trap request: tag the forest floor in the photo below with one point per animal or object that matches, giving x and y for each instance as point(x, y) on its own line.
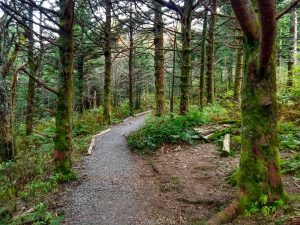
point(180, 184)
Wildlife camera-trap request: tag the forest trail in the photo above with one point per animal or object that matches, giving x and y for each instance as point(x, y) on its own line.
point(108, 194)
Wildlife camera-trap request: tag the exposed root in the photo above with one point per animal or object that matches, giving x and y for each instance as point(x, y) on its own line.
point(226, 215)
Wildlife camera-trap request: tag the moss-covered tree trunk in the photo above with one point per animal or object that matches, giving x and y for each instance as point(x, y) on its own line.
point(292, 48)
point(238, 75)
point(7, 144)
point(210, 72)
point(186, 22)
point(107, 71)
point(130, 64)
point(80, 70)
point(159, 60)
point(64, 108)
point(32, 69)
point(259, 163)
point(202, 62)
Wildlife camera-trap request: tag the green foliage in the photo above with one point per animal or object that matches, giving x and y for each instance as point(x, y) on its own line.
point(165, 129)
point(289, 136)
point(292, 166)
point(39, 216)
point(263, 206)
point(176, 128)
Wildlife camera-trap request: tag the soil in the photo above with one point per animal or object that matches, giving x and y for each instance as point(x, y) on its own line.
point(181, 184)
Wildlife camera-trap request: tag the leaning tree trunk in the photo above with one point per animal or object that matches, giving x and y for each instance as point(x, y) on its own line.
point(130, 65)
point(238, 75)
point(159, 60)
point(259, 163)
point(186, 56)
point(211, 55)
point(292, 48)
point(202, 66)
point(64, 108)
point(107, 72)
point(32, 69)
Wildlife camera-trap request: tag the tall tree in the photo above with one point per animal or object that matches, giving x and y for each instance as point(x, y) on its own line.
point(186, 25)
point(292, 48)
point(211, 54)
point(107, 69)
point(202, 62)
point(63, 138)
point(33, 69)
point(159, 59)
point(130, 61)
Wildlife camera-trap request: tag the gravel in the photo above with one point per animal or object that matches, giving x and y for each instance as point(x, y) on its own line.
point(109, 193)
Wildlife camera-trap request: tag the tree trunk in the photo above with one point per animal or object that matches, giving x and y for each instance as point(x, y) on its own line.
point(64, 108)
point(211, 55)
point(173, 72)
point(32, 69)
point(107, 72)
point(80, 71)
point(159, 60)
point(186, 22)
point(238, 75)
point(229, 76)
point(130, 64)
point(292, 48)
point(7, 147)
point(202, 66)
point(259, 172)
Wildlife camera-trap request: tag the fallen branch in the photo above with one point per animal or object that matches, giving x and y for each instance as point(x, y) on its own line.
point(24, 213)
point(43, 134)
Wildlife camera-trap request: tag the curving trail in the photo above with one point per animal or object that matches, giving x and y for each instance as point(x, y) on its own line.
point(110, 192)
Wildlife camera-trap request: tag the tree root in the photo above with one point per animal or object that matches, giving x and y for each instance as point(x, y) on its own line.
point(226, 215)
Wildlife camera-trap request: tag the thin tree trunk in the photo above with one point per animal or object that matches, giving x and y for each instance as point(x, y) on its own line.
point(238, 75)
point(159, 60)
point(173, 73)
point(32, 69)
point(202, 66)
point(211, 56)
point(80, 70)
point(107, 73)
point(229, 76)
point(186, 56)
point(130, 64)
point(292, 48)
point(64, 108)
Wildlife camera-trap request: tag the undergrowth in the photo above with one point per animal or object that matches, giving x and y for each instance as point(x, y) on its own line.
point(174, 128)
point(29, 180)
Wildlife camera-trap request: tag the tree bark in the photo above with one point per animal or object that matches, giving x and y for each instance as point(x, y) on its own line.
point(7, 147)
point(238, 75)
point(186, 22)
point(159, 60)
point(108, 63)
point(259, 172)
point(32, 69)
point(64, 108)
point(211, 55)
point(130, 64)
point(292, 48)
point(202, 66)
point(173, 72)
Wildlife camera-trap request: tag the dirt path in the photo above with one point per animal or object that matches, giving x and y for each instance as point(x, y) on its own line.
point(109, 192)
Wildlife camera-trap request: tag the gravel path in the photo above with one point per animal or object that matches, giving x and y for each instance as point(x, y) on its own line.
point(109, 193)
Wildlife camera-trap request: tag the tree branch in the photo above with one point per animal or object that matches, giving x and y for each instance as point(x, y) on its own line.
point(246, 17)
point(171, 5)
point(39, 82)
point(267, 14)
point(287, 9)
